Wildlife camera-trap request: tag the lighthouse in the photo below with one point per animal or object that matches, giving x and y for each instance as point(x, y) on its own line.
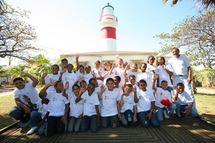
point(108, 24)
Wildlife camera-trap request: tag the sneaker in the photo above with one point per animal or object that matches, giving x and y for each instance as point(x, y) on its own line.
point(165, 114)
point(31, 131)
point(22, 125)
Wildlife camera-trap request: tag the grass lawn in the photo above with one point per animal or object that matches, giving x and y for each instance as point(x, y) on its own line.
point(6, 104)
point(205, 106)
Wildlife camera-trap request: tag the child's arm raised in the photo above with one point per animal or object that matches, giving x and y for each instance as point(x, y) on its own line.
point(43, 91)
point(35, 81)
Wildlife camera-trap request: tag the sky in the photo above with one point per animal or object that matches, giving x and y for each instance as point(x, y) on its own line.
point(72, 26)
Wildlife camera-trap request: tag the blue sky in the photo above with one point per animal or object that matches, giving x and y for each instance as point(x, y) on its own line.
point(71, 26)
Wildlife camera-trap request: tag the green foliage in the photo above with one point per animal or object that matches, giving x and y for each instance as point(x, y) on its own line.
point(206, 76)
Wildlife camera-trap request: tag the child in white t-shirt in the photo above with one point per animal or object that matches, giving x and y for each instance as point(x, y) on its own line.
point(163, 102)
point(145, 105)
point(110, 111)
point(91, 117)
point(59, 107)
point(76, 109)
point(128, 106)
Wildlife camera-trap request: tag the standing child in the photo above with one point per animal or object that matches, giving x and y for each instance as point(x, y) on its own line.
point(22, 109)
point(184, 102)
point(128, 106)
point(145, 105)
point(91, 111)
point(76, 109)
point(163, 102)
point(59, 107)
point(110, 111)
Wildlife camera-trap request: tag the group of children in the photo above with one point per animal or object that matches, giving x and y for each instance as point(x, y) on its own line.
point(116, 95)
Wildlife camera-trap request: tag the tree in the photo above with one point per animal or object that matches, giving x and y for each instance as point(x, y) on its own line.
point(16, 36)
point(197, 35)
point(204, 3)
point(1, 4)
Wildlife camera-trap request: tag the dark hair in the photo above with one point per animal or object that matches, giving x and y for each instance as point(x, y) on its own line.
point(56, 83)
point(164, 81)
point(55, 65)
point(18, 78)
point(150, 57)
point(163, 60)
point(70, 65)
point(64, 60)
point(93, 78)
point(176, 49)
point(81, 66)
point(143, 63)
point(83, 81)
point(180, 84)
point(142, 81)
point(118, 78)
point(109, 79)
point(75, 85)
point(129, 85)
point(131, 75)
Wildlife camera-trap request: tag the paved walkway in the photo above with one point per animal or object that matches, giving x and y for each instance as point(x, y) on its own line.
point(178, 130)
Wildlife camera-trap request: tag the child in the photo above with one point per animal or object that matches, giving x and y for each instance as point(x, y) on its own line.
point(55, 76)
point(98, 72)
point(58, 111)
point(108, 72)
point(79, 70)
point(38, 117)
point(163, 103)
point(22, 109)
point(128, 106)
point(150, 67)
point(69, 77)
point(76, 109)
point(91, 111)
point(184, 102)
point(164, 72)
point(145, 105)
point(109, 105)
point(88, 75)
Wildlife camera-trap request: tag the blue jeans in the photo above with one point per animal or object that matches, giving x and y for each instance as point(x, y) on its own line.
point(111, 121)
point(181, 108)
point(42, 129)
point(18, 113)
point(35, 118)
point(127, 118)
point(144, 121)
point(90, 122)
point(159, 111)
point(74, 124)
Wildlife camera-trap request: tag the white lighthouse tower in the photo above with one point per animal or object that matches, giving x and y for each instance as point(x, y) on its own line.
point(108, 24)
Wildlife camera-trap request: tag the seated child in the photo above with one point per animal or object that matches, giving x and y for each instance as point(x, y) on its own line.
point(22, 109)
point(184, 102)
point(163, 102)
point(128, 106)
point(38, 117)
point(109, 105)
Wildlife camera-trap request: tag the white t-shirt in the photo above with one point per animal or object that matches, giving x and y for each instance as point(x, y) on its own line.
point(106, 75)
point(163, 75)
point(57, 104)
point(160, 95)
point(128, 103)
point(49, 78)
point(148, 77)
point(42, 108)
point(129, 72)
point(184, 98)
point(145, 99)
point(87, 77)
point(109, 103)
point(151, 68)
point(29, 91)
point(76, 109)
point(71, 78)
point(120, 72)
point(79, 75)
point(179, 65)
point(89, 103)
